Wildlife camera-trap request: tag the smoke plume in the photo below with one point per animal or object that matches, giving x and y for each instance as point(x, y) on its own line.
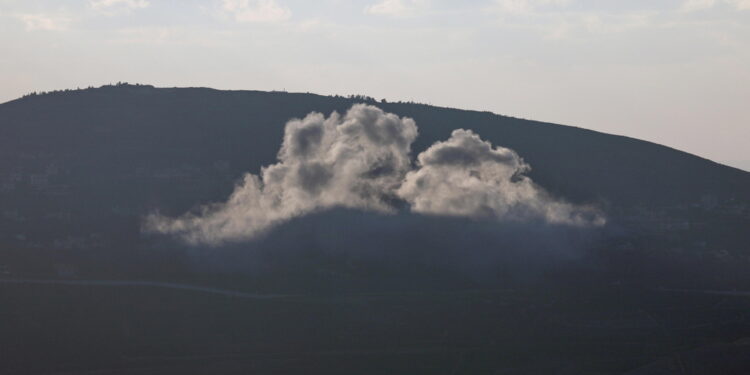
point(361, 160)
point(357, 161)
point(466, 176)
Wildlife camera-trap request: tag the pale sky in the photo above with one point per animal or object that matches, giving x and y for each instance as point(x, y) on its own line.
point(676, 72)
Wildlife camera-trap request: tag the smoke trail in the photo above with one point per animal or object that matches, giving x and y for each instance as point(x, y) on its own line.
point(362, 160)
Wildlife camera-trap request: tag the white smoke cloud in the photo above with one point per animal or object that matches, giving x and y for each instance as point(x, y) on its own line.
point(362, 160)
point(357, 160)
point(466, 176)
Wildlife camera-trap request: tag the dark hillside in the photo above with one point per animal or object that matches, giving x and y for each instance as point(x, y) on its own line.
point(84, 290)
point(107, 135)
point(79, 169)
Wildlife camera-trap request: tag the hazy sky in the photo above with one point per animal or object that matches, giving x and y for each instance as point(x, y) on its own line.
point(676, 72)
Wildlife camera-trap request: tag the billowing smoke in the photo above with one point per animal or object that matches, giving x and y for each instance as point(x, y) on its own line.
point(357, 161)
point(362, 161)
point(466, 176)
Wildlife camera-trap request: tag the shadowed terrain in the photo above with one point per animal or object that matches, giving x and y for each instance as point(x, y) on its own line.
point(659, 289)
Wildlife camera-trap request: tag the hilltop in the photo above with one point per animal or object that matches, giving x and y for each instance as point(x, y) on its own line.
point(81, 169)
point(119, 130)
